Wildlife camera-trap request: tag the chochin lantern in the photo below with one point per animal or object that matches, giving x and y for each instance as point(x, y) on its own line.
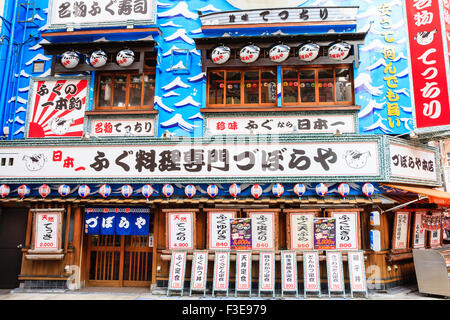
point(344, 189)
point(125, 58)
point(212, 190)
point(84, 191)
point(190, 191)
point(279, 53)
point(368, 189)
point(105, 190)
point(23, 191)
point(63, 190)
point(256, 191)
point(234, 190)
point(249, 54)
point(339, 51)
point(277, 190)
point(44, 190)
point(147, 191)
point(321, 189)
point(308, 51)
point(126, 190)
point(168, 190)
point(70, 59)
point(4, 190)
point(98, 58)
point(299, 189)
point(220, 54)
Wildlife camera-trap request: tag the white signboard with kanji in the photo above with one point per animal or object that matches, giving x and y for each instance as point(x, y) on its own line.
point(47, 233)
point(219, 229)
point(335, 272)
point(123, 127)
point(221, 271)
point(289, 271)
point(199, 271)
point(419, 230)
point(263, 230)
point(243, 271)
point(401, 229)
point(267, 271)
point(311, 272)
point(177, 271)
point(346, 230)
point(181, 230)
point(357, 272)
point(302, 230)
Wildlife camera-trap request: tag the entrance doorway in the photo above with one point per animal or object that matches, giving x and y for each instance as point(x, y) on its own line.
point(13, 227)
point(119, 261)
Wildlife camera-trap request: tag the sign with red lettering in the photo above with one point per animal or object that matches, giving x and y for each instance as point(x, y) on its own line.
point(311, 271)
point(199, 270)
point(431, 97)
point(47, 231)
point(324, 233)
point(177, 269)
point(401, 230)
point(181, 230)
point(219, 229)
point(346, 230)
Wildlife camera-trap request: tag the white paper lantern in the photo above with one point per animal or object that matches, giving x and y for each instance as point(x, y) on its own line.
point(105, 190)
point(339, 51)
point(168, 190)
point(249, 54)
point(256, 191)
point(308, 51)
point(84, 191)
point(147, 191)
point(23, 191)
point(220, 55)
point(368, 189)
point(277, 190)
point(344, 189)
point(98, 59)
point(4, 190)
point(234, 190)
point(126, 190)
point(70, 59)
point(279, 53)
point(63, 190)
point(321, 189)
point(190, 191)
point(299, 189)
point(212, 190)
point(44, 190)
point(125, 58)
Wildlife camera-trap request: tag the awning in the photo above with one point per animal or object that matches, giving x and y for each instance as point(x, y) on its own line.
point(438, 197)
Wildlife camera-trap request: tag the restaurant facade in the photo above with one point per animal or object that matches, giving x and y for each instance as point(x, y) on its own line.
point(221, 147)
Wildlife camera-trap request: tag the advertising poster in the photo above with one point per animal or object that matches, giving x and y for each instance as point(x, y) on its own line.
point(324, 233)
point(241, 234)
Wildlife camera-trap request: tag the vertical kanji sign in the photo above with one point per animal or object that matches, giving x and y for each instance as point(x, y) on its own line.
point(244, 271)
point(428, 61)
point(177, 270)
point(180, 230)
point(221, 271)
point(199, 271)
point(311, 272)
point(47, 231)
point(219, 229)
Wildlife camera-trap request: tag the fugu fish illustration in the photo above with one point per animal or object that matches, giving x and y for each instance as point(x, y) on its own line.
point(425, 37)
point(35, 162)
point(60, 126)
point(356, 159)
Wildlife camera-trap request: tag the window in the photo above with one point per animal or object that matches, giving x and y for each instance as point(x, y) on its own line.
point(317, 85)
point(249, 87)
point(123, 91)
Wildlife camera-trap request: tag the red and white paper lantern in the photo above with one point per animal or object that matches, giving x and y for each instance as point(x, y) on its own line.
point(70, 59)
point(308, 51)
point(105, 190)
point(98, 58)
point(249, 54)
point(279, 53)
point(84, 191)
point(126, 190)
point(278, 190)
point(125, 58)
point(368, 189)
point(344, 189)
point(220, 54)
point(168, 190)
point(212, 190)
point(147, 191)
point(339, 51)
point(234, 190)
point(321, 189)
point(4, 190)
point(256, 191)
point(23, 191)
point(63, 190)
point(44, 190)
point(190, 191)
point(299, 189)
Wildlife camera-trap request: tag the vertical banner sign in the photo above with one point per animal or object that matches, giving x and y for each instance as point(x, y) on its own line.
point(181, 230)
point(288, 271)
point(47, 231)
point(335, 272)
point(346, 230)
point(324, 233)
point(419, 230)
point(56, 107)
point(302, 231)
point(263, 227)
point(199, 271)
point(219, 229)
point(243, 271)
point(267, 271)
point(401, 225)
point(431, 97)
point(221, 271)
point(357, 272)
point(241, 234)
point(177, 269)
point(311, 272)
point(435, 235)
point(446, 18)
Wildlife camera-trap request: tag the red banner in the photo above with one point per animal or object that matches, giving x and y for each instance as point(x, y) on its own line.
point(429, 75)
point(446, 18)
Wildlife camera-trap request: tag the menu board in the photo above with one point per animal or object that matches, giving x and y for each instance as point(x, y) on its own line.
point(243, 271)
point(199, 270)
point(357, 271)
point(346, 229)
point(289, 271)
point(401, 228)
point(419, 231)
point(301, 230)
point(219, 230)
point(324, 233)
point(180, 230)
point(241, 234)
point(311, 271)
point(177, 269)
point(47, 231)
point(263, 230)
point(221, 270)
point(267, 271)
point(436, 235)
point(335, 271)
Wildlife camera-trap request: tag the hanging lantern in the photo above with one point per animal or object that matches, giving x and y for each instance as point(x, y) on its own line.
point(212, 190)
point(279, 53)
point(126, 190)
point(368, 189)
point(23, 191)
point(147, 191)
point(234, 190)
point(190, 191)
point(220, 55)
point(98, 58)
point(70, 59)
point(344, 189)
point(105, 190)
point(256, 191)
point(299, 189)
point(308, 51)
point(277, 190)
point(63, 190)
point(321, 189)
point(249, 54)
point(84, 191)
point(4, 190)
point(339, 51)
point(125, 58)
point(44, 190)
point(168, 190)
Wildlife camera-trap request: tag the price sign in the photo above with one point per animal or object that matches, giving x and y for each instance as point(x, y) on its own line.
point(221, 271)
point(199, 270)
point(177, 269)
point(311, 271)
point(357, 272)
point(346, 230)
point(219, 229)
point(289, 271)
point(47, 231)
point(263, 227)
point(267, 271)
point(243, 271)
point(335, 272)
point(181, 230)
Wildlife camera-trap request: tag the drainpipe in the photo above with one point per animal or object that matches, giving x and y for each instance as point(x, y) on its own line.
point(7, 71)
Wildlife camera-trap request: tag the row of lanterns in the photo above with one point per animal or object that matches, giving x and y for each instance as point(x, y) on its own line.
point(190, 190)
point(97, 59)
point(278, 53)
